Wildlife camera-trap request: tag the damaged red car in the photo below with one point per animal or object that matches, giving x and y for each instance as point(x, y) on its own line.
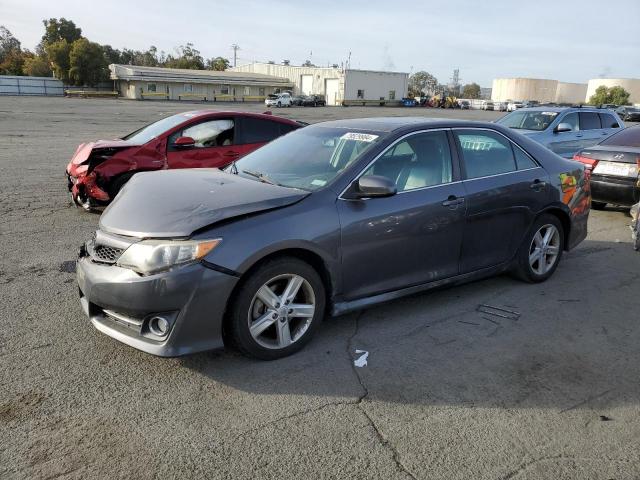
point(198, 139)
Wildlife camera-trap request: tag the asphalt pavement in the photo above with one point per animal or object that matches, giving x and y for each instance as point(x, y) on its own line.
point(492, 380)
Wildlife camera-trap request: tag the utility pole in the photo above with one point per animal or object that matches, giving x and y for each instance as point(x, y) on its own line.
point(235, 47)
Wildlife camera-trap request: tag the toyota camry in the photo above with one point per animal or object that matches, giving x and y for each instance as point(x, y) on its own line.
point(327, 219)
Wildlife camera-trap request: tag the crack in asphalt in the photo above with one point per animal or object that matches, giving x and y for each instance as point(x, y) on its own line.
point(359, 404)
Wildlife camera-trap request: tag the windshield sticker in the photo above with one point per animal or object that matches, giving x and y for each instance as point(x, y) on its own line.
point(360, 137)
point(318, 182)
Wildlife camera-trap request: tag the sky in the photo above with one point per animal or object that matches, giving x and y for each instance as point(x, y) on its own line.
point(567, 40)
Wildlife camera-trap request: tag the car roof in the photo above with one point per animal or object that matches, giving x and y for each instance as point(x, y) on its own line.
point(390, 124)
point(206, 112)
point(542, 108)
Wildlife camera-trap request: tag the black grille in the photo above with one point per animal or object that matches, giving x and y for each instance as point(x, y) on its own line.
point(106, 254)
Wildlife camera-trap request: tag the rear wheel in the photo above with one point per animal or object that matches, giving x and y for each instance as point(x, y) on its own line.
point(541, 250)
point(277, 309)
point(598, 205)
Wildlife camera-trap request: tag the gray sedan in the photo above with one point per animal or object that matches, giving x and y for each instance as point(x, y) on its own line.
point(327, 219)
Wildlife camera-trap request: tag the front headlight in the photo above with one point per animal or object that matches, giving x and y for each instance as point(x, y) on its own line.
point(152, 256)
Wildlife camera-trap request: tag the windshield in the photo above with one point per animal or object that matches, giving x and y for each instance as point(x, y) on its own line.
point(629, 137)
point(155, 129)
point(308, 158)
point(528, 120)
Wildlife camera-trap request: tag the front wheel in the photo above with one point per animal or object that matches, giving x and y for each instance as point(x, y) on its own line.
point(277, 309)
point(541, 250)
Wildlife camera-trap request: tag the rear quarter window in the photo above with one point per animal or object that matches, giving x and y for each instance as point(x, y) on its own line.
point(608, 121)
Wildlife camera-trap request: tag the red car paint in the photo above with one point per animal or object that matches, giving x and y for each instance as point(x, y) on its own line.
point(97, 169)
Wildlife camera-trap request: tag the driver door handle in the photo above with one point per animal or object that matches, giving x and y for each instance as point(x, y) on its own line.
point(453, 201)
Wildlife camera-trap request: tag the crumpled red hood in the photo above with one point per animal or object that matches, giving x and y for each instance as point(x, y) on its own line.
point(84, 149)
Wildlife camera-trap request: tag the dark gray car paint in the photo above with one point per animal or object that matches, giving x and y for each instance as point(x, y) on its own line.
point(364, 259)
point(175, 203)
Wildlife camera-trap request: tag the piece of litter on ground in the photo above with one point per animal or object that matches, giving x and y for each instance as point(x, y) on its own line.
point(361, 361)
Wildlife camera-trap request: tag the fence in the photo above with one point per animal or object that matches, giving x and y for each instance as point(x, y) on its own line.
point(14, 85)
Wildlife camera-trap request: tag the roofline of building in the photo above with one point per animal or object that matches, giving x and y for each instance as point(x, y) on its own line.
point(169, 75)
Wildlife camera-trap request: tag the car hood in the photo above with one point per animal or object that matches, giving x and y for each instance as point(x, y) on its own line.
point(84, 149)
point(528, 133)
point(176, 203)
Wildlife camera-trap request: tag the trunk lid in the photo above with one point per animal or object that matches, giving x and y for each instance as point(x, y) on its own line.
point(175, 203)
point(612, 153)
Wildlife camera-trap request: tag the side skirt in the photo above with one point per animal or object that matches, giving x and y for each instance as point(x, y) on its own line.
point(340, 308)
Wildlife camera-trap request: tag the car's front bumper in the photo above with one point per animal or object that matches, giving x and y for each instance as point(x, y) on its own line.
point(119, 303)
point(615, 190)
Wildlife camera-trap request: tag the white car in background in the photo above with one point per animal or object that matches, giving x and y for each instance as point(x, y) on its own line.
point(278, 100)
point(500, 106)
point(513, 106)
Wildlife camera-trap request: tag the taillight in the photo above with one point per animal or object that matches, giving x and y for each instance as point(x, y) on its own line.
point(589, 163)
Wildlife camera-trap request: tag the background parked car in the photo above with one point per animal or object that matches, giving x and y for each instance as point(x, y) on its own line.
point(614, 164)
point(513, 106)
point(292, 234)
point(464, 104)
point(204, 138)
point(278, 100)
point(297, 100)
point(564, 130)
point(630, 114)
point(500, 106)
point(313, 101)
point(487, 105)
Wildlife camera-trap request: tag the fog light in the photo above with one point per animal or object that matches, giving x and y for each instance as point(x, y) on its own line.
point(159, 326)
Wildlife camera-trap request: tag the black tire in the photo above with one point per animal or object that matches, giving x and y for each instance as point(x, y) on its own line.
point(238, 318)
point(598, 205)
point(279, 104)
point(118, 183)
point(523, 268)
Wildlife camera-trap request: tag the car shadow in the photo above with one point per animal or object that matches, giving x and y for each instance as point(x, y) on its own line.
point(562, 344)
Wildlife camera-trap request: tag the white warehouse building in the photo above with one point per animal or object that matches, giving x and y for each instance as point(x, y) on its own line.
point(540, 89)
point(339, 86)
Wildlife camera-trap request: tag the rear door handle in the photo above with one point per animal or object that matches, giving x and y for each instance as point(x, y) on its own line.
point(538, 185)
point(453, 201)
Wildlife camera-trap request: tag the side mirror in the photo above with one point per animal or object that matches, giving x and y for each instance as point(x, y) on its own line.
point(184, 142)
point(563, 127)
point(372, 186)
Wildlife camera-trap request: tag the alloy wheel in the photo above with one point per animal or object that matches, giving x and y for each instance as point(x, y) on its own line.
point(281, 311)
point(544, 249)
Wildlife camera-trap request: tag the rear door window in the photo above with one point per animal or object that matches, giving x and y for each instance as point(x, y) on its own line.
point(258, 130)
point(589, 121)
point(608, 121)
point(485, 153)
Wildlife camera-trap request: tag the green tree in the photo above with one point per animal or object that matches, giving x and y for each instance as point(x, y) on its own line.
point(218, 63)
point(62, 29)
point(188, 58)
point(113, 55)
point(471, 90)
point(421, 83)
point(616, 95)
point(87, 63)
point(58, 54)
point(11, 55)
point(36, 65)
